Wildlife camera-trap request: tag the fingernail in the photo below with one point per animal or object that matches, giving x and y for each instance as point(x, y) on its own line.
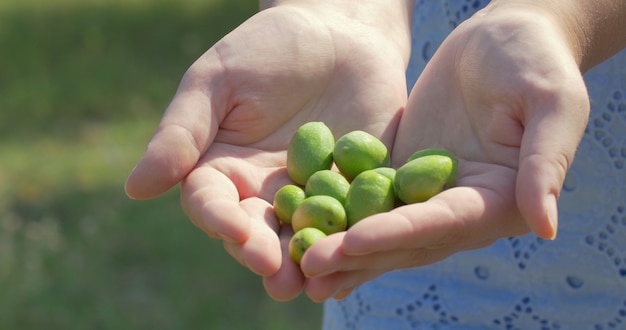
point(553, 215)
point(342, 294)
point(324, 273)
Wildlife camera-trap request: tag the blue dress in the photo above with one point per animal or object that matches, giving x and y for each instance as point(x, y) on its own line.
point(575, 282)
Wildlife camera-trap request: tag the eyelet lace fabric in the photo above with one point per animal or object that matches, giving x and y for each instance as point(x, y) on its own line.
point(575, 282)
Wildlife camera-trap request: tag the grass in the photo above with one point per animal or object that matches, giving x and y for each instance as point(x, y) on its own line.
point(82, 86)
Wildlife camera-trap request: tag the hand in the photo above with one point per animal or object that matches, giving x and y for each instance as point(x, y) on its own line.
point(505, 94)
point(226, 131)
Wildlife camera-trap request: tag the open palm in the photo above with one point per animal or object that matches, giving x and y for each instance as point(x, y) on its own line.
point(226, 131)
point(504, 94)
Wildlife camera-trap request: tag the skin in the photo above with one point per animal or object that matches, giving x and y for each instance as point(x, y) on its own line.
point(223, 136)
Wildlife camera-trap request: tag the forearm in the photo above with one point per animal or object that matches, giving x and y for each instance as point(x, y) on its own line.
point(595, 30)
point(604, 23)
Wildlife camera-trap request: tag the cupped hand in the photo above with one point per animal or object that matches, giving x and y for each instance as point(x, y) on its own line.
point(505, 94)
point(226, 131)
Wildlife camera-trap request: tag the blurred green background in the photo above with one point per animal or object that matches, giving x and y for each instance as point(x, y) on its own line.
point(83, 84)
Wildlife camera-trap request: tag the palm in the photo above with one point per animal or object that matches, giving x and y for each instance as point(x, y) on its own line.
point(512, 113)
point(239, 104)
point(488, 99)
point(271, 80)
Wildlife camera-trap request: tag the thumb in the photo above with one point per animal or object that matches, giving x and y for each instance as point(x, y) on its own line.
point(186, 130)
point(552, 134)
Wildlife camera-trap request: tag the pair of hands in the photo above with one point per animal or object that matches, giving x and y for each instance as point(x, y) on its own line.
point(503, 92)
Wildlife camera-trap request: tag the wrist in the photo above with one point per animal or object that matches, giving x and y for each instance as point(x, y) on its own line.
point(371, 21)
point(530, 19)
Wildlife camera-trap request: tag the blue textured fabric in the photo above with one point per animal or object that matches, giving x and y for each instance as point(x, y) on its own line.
point(575, 282)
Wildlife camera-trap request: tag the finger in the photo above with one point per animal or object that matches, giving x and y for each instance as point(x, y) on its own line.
point(187, 128)
point(211, 201)
point(254, 172)
point(343, 294)
point(458, 218)
point(323, 257)
point(326, 257)
point(287, 283)
point(261, 252)
point(546, 154)
point(336, 284)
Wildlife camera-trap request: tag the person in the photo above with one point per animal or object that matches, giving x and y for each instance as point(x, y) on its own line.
point(500, 84)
